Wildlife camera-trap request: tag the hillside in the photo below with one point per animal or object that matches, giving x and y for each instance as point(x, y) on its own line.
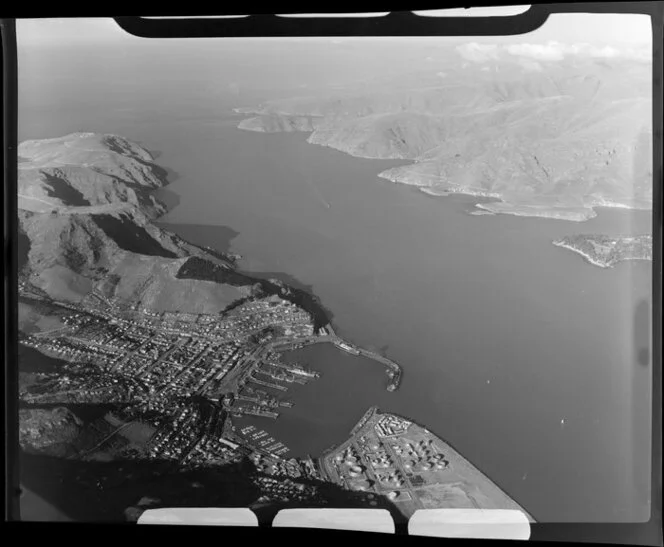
point(87, 169)
point(48, 431)
point(274, 123)
point(84, 223)
point(554, 142)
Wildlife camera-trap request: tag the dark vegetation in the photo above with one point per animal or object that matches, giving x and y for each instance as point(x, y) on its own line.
point(131, 237)
point(204, 270)
point(86, 412)
point(31, 360)
point(60, 189)
point(215, 240)
point(236, 304)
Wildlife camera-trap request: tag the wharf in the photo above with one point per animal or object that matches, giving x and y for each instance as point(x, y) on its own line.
point(293, 369)
point(252, 378)
point(259, 413)
point(257, 400)
point(283, 377)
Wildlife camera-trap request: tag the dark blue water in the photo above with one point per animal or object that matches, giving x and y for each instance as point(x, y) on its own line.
point(501, 334)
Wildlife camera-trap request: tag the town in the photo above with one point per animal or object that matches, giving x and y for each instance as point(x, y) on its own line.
point(185, 376)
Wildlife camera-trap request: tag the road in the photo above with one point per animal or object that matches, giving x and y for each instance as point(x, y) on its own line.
point(112, 434)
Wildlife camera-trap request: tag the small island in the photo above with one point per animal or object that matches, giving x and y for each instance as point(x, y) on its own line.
point(605, 251)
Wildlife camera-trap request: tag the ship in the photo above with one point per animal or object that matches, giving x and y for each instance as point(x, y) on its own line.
point(347, 348)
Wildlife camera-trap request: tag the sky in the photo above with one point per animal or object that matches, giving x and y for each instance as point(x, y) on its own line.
point(568, 29)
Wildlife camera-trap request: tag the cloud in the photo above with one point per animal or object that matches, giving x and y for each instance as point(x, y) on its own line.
point(478, 52)
point(553, 51)
point(530, 64)
point(591, 51)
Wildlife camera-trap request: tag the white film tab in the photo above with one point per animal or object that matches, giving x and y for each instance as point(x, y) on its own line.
point(365, 520)
point(470, 523)
point(205, 516)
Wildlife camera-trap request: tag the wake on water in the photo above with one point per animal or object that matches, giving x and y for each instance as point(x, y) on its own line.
point(318, 193)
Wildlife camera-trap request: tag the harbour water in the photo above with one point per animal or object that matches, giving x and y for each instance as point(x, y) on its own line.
point(520, 354)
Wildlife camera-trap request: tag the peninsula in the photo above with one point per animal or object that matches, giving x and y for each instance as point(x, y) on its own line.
point(605, 251)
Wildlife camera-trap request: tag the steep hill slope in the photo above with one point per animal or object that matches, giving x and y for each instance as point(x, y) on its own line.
point(85, 212)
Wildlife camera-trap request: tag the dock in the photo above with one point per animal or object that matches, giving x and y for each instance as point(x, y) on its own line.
point(258, 381)
point(259, 413)
point(294, 369)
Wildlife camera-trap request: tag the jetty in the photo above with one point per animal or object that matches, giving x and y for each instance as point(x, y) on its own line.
point(259, 412)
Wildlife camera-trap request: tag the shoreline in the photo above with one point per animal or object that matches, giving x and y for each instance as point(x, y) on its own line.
point(485, 208)
point(586, 257)
point(479, 470)
point(551, 213)
point(591, 260)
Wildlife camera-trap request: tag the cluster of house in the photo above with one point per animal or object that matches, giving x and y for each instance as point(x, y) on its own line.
point(173, 440)
point(275, 466)
point(284, 490)
point(213, 452)
point(73, 350)
point(257, 315)
point(185, 372)
point(161, 358)
point(212, 447)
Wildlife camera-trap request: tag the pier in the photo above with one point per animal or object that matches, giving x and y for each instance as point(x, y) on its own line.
point(257, 412)
point(294, 369)
point(257, 400)
point(252, 378)
point(282, 376)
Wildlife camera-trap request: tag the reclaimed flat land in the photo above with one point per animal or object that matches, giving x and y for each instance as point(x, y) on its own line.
point(394, 457)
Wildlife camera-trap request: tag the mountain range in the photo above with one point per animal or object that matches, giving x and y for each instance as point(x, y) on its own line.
point(554, 141)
